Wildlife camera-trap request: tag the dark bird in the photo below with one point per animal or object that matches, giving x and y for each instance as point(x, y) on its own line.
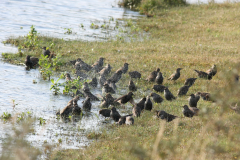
point(159, 78)
point(212, 71)
point(141, 103)
point(187, 112)
point(126, 98)
point(168, 95)
point(136, 111)
point(129, 120)
point(165, 116)
point(205, 96)
point(124, 69)
point(68, 77)
point(158, 88)
point(81, 75)
point(87, 93)
point(87, 105)
point(131, 86)
point(114, 114)
point(98, 66)
point(134, 74)
point(76, 91)
point(193, 100)
point(72, 105)
point(153, 75)
point(156, 98)
point(30, 62)
point(106, 70)
point(122, 120)
point(107, 101)
point(111, 84)
point(116, 76)
point(105, 112)
point(148, 104)
point(45, 51)
point(107, 89)
point(85, 86)
point(81, 65)
point(175, 75)
point(190, 81)
point(203, 75)
point(183, 90)
point(76, 109)
point(94, 82)
point(102, 80)
point(73, 62)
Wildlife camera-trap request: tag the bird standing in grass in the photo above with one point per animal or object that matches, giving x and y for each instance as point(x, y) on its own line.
point(136, 111)
point(193, 100)
point(159, 78)
point(116, 76)
point(203, 75)
point(97, 66)
point(190, 81)
point(183, 90)
point(168, 95)
point(187, 112)
point(175, 75)
point(129, 120)
point(158, 88)
point(126, 98)
point(141, 103)
point(124, 69)
point(153, 75)
point(156, 98)
point(212, 71)
point(132, 86)
point(148, 104)
point(134, 74)
point(165, 116)
point(114, 114)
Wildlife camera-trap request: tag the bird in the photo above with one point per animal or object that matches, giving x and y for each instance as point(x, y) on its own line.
point(85, 86)
point(203, 75)
point(136, 111)
point(116, 76)
point(212, 71)
point(87, 105)
point(122, 119)
point(94, 82)
point(45, 52)
point(124, 69)
point(126, 98)
point(190, 81)
point(102, 80)
point(34, 60)
point(114, 114)
point(111, 84)
point(97, 66)
point(70, 106)
point(129, 120)
point(73, 62)
point(68, 77)
point(141, 103)
point(134, 74)
point(156, 98)
point(81, 75)
point(76, 110)
point(106, 70)
point(159, 78)
point(183, 90)
point(168, 95)
point(148, 104)
point(30, 62)
point(153, 75)
point(107, 101)
point(193, 100)
point(131, 86)
point(165, 116)
point(81, 65)
point(175, 75)
point(158, 88)
point(187, 112)
point(107, 89)
point(105, 112)
point(205, 96)
point(87, 93)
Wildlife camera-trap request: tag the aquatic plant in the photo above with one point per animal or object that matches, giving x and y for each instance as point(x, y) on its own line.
point(68, 31)
point(6, 116)
point(45, 65)
point(31, 40)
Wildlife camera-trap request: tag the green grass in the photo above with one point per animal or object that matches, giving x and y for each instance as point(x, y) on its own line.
point(191, 37)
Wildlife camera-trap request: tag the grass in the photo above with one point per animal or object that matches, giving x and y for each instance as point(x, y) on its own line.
point(192, 37)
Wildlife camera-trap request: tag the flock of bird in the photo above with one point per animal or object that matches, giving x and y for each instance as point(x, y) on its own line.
point(109, 87)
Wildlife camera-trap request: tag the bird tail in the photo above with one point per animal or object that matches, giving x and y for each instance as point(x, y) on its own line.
point(196, 70)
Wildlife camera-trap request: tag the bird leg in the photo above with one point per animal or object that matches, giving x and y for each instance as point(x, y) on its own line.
point(132, 102)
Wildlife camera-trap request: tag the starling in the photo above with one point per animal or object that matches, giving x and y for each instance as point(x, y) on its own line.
point(205, 96)
point(122, 120)
point(175, 75)
point(106, 70)
point(97, 66)
point(73, 62)
point(107, 89)
point(68, 77)
point(136, 111)
point(156, 98)
point(102, 80)
point(159, 78)
point(107, 101)
point(158, 88)
point(131, 86)
point(203, 75)
point(124, 69)
point(134, 74)
point(187, 112)
point(79, 65)
point(212, 71)
point(193, 100)
point(153, 75)
point(105, 112)
point(141, 103)
point(28, 62)
point(111, 84)
point(77, 92)
point(165, 116)
point(87, 105)
point(85, 86)
point(116, 76)
point(70, 106)
point(129, 120)
point(126, 98)
point(94, 82)
point(45, 52)
point(183, 90)
point(190, 81)
point(168, 95)
point(87, 93)
point(114, 114)
point(81, 75)
point(148, 104)
point(76, 109)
